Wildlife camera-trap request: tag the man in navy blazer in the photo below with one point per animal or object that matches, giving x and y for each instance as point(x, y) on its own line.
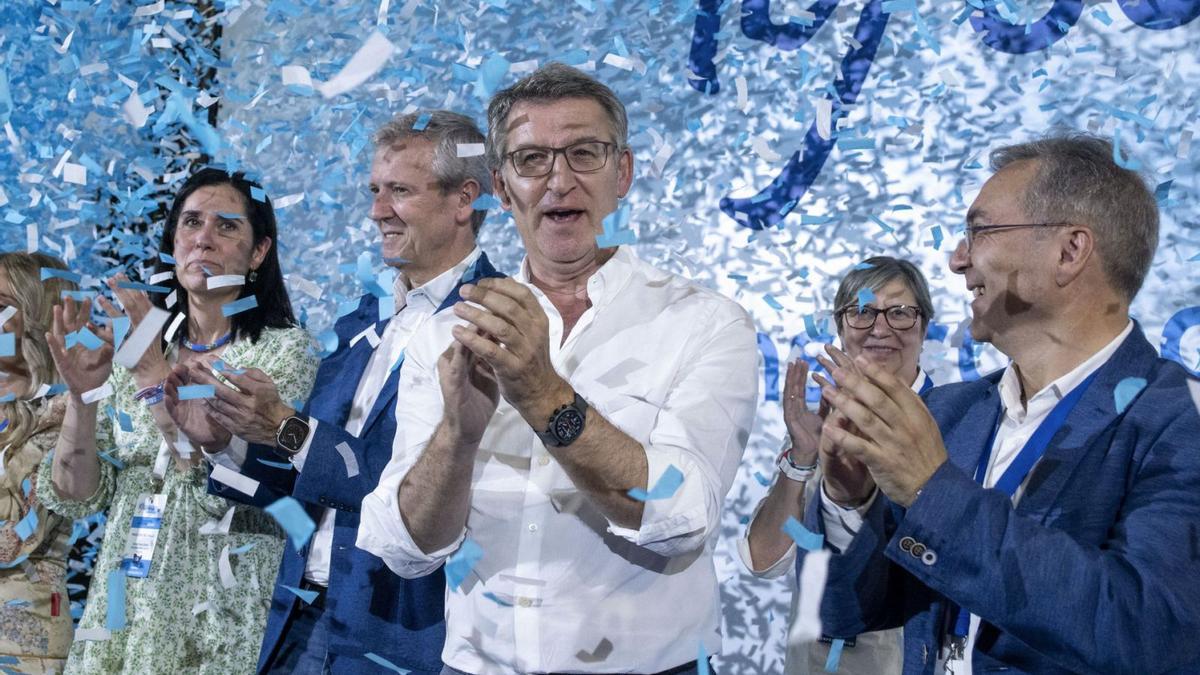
point(361, 616)
point(1043, 519)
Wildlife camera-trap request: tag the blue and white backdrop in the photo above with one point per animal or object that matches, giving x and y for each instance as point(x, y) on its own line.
point(776, 144)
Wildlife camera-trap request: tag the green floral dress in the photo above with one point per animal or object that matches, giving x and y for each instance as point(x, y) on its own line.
point(181, 618)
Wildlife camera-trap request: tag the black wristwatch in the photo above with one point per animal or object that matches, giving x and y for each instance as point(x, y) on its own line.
point(566, 424)
point(291, 435)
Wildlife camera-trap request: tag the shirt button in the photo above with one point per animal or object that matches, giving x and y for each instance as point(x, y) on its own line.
point(533, 527)
point(524, 602)
point(543, 460)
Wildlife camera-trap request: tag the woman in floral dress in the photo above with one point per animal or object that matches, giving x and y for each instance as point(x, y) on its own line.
point(195, 598)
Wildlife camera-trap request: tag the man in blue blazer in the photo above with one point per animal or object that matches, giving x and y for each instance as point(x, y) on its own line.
point(1044, 519)
point(337, 608)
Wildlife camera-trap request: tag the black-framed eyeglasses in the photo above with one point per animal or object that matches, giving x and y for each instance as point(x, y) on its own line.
point(582, 157)
point(899, 317)
point(974, 230)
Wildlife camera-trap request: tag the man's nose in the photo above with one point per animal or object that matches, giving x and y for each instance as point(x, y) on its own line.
point(561, 177)
point(960, 260)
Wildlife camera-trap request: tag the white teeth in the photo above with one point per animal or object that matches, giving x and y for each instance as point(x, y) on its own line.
point(978, 291)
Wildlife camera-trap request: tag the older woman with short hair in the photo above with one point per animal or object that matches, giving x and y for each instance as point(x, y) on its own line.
point(882, 310)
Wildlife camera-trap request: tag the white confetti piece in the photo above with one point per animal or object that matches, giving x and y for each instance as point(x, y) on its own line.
point(225, 569)
point(806, 626)
point(470, 149)
point(289, 200)
point(743, 96)
point(762, 149)
point(151, 9)
point(161, 277)
point(824, 109)
point(175, 324)
point(31, 238)
point(137, 343)
point(296, 75)
point(367, 334)
point(233, 479)
point(369, 58)
point(218, 526)
point(98, 394)
point(162, 460)
point(305, 286)
point(225, 280)
point(349, 458)
point(200, 607)
point(136, 112)
point(75, 173)
point(1185, 145)
point(617, 61)
point(6, 314)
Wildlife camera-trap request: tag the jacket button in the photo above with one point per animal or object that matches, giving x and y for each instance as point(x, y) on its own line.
point(929, 557)
point(917, 550)
point(906, 544)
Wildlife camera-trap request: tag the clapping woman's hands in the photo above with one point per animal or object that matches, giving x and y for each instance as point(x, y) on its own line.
point(81, 368)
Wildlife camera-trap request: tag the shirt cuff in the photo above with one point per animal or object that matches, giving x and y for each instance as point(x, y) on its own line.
point(843, 523)
point(232, 456)
point(381, 532)
point(678, 523)
point(297, 459)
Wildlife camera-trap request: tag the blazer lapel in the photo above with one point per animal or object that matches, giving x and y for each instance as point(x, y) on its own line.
point(338, 376)
point(1095, 412)
point(482, 268)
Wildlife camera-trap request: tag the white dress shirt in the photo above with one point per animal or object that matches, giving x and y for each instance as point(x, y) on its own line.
point(560, 588)
point(1018, 422)
point(413, 308)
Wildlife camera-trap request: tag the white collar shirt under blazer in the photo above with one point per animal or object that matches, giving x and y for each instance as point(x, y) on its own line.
point(559, 588)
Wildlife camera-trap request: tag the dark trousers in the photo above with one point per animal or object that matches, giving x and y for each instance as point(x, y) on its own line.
point(304, 646)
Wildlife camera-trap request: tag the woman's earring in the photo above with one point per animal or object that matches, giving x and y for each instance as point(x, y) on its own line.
point(253, 276)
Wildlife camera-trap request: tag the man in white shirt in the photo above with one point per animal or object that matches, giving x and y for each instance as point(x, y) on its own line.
point(1042, 519)
point(337, 608)
point(590, 376)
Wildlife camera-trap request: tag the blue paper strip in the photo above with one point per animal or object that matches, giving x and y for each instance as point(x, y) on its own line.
point(115, 618)
point(459, 565)
point(1127, 390)
point(306, 596)
point(665, 487)
point(291, 517)
point(372, 656)
point(239, 306)
point(195, 391)
point(835, 655)
point(804, 538)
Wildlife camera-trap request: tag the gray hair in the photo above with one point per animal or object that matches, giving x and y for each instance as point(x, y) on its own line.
point(1078, 181)
point(552, 82)
point(446, 130)
point(875, 273)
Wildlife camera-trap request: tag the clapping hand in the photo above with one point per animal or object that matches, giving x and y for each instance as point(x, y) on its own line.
point(81, 368)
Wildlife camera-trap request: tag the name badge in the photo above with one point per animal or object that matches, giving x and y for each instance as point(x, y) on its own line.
point(147, 521)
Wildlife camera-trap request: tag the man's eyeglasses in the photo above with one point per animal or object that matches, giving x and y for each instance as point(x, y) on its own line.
point(974, 230)
point(899, 317)
point(582, 157)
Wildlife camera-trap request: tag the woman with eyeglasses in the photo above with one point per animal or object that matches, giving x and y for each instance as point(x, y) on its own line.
point(882, 311)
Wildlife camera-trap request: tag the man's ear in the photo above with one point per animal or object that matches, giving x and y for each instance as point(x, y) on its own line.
point(468, 192)
point(1075, 249)
point(501, 189)
point(624, 172)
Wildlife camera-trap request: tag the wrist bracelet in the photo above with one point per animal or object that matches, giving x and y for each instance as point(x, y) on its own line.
point(797, 473)
point(151, 395)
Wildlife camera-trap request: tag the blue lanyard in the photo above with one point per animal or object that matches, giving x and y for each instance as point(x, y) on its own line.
point(1034, 448)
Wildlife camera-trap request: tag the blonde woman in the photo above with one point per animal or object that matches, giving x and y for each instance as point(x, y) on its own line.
point(35, 621)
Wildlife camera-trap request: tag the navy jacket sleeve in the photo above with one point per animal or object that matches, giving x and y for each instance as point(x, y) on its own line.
point(324, 480)
point(273, 481)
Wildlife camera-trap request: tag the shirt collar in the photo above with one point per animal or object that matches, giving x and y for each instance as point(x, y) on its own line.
point(920, 381)
point(1050, 395)
point(435, 291)
point(606, 281)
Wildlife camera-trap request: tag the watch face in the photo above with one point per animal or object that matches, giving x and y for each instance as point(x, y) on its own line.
point(292, 435)
point(567, 426)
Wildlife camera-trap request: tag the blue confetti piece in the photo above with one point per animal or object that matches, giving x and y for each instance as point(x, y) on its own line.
point(459, 565)
point(291, 517)
point(616, 229)
point(111, 460)
point(84, 337)
point(26, 486)
point(497, 599)
point(115, 618)
point(863, 266)
point(244, 548)
point(55, 273)
point(8, 344)
point(702, 660)
point(422, 122)
point(239, 306)
point(762, 480)
point(1102, 16)
point(936, 243)
point(120, 327)
point(1127, 390)
point(3, 425)
point(372, 656)
point(221, 367)
point(195, 391)
point(136, 286)
point(865, 297)
point(124, 421)
point(306, 596)
point(27, 525)
point(277, 465)
point(804, 538)
point(18, 604)
point(664, 488)
point(772, 303)
point(167, 259)
point(835, 655)
point(484, 202)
